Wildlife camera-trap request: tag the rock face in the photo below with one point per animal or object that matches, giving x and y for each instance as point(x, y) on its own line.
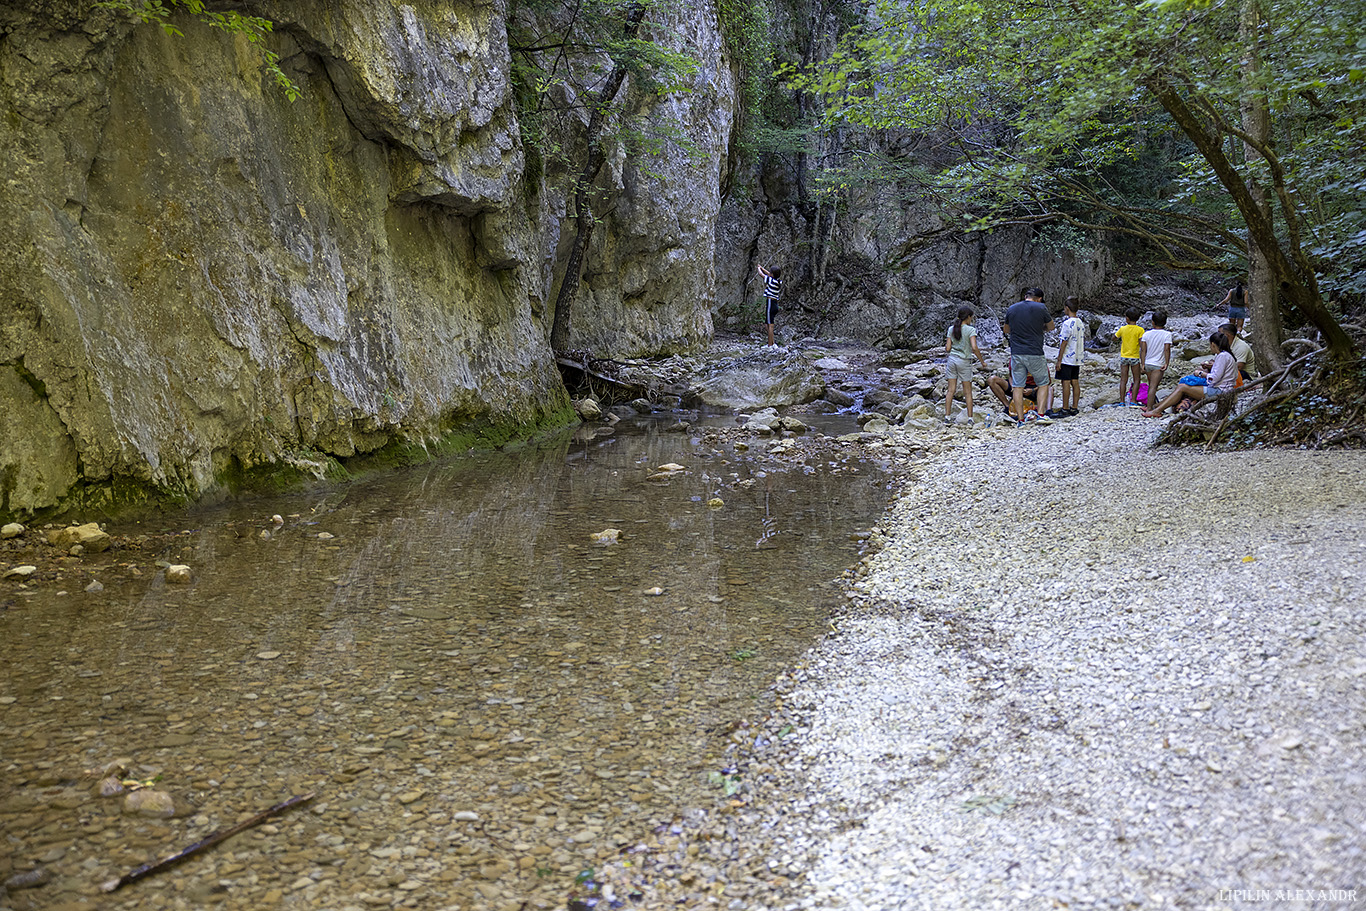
point(850, 277)
point(200, 278)
point(650, 281)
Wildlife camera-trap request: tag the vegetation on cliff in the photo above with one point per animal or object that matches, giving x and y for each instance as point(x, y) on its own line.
point(1248, 113)
point(254, 29)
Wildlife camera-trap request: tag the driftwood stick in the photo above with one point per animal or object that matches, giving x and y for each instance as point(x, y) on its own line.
point(630, 388)
point(203, 844)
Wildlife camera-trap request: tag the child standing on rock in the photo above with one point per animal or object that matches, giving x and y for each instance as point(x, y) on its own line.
point(1130, 337)
point(961, 348)
point(1071, 342)
point(773, 289)
point(1156, 345)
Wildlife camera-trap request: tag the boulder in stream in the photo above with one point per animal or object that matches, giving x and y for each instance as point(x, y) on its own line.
point(149, 803)
point(748, 382)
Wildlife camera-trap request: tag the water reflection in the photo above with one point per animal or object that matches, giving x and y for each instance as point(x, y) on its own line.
point(419, 649)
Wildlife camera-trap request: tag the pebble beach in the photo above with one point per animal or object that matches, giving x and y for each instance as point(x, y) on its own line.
point(1083, 673)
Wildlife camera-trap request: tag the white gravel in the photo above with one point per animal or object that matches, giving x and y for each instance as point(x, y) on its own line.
point(1094, 675)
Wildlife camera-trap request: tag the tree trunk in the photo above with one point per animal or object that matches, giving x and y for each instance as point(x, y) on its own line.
point(1263, 290)
point(584, 220)
point(1299, 287)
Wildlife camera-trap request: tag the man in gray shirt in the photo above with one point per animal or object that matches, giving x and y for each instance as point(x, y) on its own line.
point(1025, 323)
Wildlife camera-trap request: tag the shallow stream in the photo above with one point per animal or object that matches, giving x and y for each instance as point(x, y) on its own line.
point(484, 699)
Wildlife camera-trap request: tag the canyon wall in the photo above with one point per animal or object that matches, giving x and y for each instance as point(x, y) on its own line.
point(201, 282)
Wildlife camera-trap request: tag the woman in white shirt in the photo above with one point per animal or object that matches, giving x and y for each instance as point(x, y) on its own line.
point(1221, 377)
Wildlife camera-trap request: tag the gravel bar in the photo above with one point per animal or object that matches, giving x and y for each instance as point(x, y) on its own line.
point(1082, 673)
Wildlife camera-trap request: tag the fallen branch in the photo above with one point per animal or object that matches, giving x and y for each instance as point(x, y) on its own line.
point(1342, 436)
point(628, 389)
point(203, 845)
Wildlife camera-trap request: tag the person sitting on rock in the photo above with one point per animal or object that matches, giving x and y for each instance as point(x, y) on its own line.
point(1221, 377)
point(999, 386)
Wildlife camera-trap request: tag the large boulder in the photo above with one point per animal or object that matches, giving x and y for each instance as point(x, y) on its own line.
point(750, 382)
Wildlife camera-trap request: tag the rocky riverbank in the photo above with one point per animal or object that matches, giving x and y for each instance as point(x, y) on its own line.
point(1080, 673)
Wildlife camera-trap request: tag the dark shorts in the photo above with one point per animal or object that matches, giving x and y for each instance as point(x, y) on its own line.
point(1068, 371)
point(1237, 313)
point(771, 310)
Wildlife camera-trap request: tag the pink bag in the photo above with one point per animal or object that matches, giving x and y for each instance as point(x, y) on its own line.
point(1143, 392)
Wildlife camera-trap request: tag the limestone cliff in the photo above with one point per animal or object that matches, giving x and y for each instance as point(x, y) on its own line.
point(198, 278)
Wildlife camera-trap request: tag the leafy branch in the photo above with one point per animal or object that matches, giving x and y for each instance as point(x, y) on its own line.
point(254, 29)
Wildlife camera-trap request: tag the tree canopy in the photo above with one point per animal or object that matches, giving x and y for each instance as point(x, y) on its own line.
point(1044, 110)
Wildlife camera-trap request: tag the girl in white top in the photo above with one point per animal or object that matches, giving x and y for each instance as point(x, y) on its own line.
point(961, 348)
point(1221, 377)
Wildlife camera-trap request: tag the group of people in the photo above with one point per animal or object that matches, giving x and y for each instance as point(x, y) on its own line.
point(1025, 324)
point(1145, 354)
point(1232, 365)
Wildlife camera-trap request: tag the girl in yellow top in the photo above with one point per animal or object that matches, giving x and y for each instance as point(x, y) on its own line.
point(1130, 356)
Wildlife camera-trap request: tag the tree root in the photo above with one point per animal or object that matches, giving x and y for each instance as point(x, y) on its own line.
point(1312, 402)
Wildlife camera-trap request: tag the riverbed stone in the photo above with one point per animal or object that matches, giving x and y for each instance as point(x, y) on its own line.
point(28, 879)
point(90, 537)
point(178, 574)
point(11, 530)
point(109, 786)
point(150, 803)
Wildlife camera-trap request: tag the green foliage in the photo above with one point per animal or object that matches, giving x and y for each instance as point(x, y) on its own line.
point(562, 51)
point(746, 28)
point(1034, 113)
point(1060, 237)
point(253, 28)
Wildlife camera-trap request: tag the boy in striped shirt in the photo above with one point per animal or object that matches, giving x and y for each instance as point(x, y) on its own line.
point(773, 287)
